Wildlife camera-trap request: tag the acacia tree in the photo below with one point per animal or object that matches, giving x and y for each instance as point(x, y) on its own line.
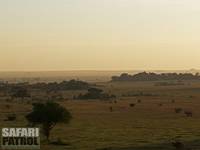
point(48, 115)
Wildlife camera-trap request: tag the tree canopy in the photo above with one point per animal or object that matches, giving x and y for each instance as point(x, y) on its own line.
point(48, 115)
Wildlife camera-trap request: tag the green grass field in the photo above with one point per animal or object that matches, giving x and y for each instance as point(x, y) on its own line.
point(150, 125)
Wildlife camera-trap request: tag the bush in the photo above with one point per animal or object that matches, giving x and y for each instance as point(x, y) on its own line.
point(132, 105)
point(178, 110)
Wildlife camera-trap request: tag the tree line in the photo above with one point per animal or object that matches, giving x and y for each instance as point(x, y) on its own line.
point(144, 76)
point(52, 86)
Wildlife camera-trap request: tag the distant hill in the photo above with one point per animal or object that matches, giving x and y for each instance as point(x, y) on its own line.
point(144, 76)
point(51, 86)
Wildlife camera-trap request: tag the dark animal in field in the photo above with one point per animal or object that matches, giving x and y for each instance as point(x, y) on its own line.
point(188, 113)
point(111, 109)
point(7, 106)
point(132, 105)
point(11, 117)
point(178, 145)
point(173, 101)
point(108, 148)
point(178, 110)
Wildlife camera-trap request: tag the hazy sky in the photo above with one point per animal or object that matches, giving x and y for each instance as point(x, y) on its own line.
point(99, 34)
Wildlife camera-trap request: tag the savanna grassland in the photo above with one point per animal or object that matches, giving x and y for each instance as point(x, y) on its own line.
point(149, 123)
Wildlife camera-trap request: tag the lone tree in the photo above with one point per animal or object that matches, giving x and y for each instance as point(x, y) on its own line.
point(48, 115)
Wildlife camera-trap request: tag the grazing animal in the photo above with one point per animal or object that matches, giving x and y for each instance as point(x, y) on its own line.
point(188, 113)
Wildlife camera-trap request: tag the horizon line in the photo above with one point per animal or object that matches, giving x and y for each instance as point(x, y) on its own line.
point(99, 70)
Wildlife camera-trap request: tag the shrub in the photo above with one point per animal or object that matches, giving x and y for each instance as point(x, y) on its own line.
point(178, 110)
point(132, 105)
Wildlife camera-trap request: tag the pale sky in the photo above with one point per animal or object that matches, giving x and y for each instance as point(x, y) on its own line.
point(99, 34)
